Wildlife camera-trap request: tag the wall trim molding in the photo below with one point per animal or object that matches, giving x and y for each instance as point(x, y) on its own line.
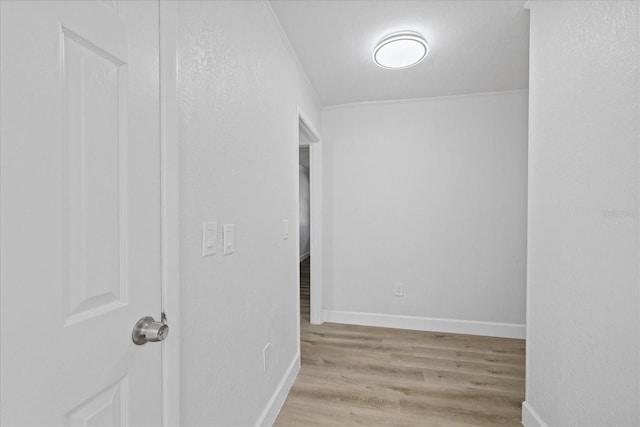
point(271, 411)
point(530, 418)
point(470, 327)
point(315, 215)
point(422, 99)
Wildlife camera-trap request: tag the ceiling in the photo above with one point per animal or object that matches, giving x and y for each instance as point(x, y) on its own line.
point(474, 46)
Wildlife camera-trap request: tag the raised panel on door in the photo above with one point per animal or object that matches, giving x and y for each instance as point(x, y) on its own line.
point(80, 216)
point(93, 107)
point(107, 408)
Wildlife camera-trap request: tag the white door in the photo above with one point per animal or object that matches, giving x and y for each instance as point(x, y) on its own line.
point(80, 213)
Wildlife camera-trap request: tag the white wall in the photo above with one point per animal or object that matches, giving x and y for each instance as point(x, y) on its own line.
point(583, 352)
point(432, 193)
point(239, 88)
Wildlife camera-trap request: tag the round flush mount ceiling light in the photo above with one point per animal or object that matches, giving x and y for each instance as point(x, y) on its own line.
point(400, 50)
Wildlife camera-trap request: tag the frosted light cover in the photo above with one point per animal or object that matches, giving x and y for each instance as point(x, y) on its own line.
point(400, 50)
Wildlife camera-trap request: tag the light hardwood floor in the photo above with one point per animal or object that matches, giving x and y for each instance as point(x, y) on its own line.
point(357, 375)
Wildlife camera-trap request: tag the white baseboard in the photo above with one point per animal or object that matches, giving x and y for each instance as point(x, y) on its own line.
point(271, 411)
point(530, 418)
point(305, 256)
point(471, 327)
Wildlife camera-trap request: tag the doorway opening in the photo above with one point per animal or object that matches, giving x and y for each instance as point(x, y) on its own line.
point(304, 226)
point(309, 223)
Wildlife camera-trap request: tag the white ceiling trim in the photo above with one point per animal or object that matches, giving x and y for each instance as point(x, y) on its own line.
point(425, 98)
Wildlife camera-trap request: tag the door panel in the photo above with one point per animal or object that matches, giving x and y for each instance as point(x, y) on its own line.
point(93, 110)
point(107, 408)
point(80, 212)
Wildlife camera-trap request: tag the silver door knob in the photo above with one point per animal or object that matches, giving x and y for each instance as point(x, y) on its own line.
point(148, 330)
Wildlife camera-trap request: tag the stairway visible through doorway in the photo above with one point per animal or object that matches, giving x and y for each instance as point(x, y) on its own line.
point(305, 291)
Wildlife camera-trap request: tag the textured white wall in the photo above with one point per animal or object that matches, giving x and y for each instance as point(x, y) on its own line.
point(239, 88)
point(431, 193)
point(583, 351)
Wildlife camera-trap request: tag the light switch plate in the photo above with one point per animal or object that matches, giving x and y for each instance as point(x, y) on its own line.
point(209, 238)
point(285, 229)
point(228, 236)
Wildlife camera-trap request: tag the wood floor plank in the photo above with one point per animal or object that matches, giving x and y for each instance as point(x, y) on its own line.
point(363, 376)
point(491, 345)
point(478, 368)
point(468, 356)
point(510, 385)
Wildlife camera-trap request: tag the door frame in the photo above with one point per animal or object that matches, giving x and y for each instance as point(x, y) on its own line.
point(170, 208)
point(315, 205)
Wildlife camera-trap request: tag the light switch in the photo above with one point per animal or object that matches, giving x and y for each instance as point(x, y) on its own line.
point(285, 229)
point(209, 238)
point(228, 238)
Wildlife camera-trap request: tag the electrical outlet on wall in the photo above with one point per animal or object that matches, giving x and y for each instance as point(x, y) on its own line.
point(266, 356)
point(398, 289)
